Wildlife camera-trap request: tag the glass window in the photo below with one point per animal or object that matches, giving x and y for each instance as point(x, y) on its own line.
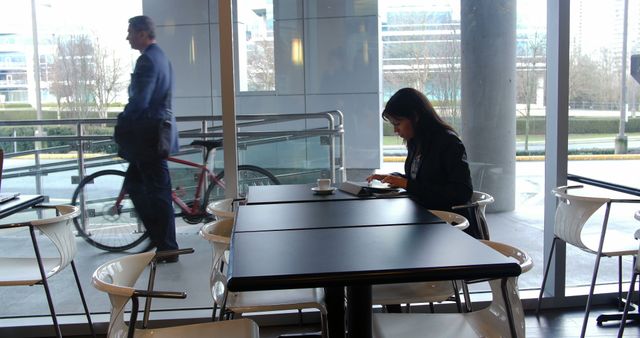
point(603, 123)
point(255, 46)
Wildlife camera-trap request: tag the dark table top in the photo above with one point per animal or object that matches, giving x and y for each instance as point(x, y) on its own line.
point(360, 256)
point(20, 203)
point(327, 214)
point(266, 194)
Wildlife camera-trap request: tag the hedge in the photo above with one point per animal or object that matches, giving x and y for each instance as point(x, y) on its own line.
point(577, 125)
point(107, 147)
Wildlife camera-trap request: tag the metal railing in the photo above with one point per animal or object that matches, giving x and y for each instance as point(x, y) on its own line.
point(252, 130)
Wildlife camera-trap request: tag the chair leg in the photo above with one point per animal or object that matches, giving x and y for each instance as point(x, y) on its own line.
point(84, 302)
point(323, 323)
point(213, 313)
point(456, 296)
point(44, 283)
point(51, 309)
point(467, 297)
point(625, 312)
point(591, 289)
point(546, 273)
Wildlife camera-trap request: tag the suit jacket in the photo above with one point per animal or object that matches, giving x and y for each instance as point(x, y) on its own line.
point(442, 178)
point(150, 88)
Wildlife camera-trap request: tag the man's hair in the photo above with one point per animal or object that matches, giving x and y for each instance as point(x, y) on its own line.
point(143, 23)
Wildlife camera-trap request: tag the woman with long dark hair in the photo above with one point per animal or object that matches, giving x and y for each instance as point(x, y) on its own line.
point(436, 169)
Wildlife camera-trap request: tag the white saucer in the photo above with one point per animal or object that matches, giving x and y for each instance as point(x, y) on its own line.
point(323, 191)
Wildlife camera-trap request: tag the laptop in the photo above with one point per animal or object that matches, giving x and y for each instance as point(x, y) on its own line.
point(7, 196)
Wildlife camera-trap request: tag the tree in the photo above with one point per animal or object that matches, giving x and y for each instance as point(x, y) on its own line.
point(445, 80)
point(108, 78)
point(260, 62)
point(593, 81)
point(86, 78)
point(534, 53)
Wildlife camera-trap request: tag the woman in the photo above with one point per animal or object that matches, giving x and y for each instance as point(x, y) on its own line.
point(436, 169)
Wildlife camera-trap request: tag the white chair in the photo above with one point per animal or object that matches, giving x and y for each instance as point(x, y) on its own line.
point(221, 208)
point(118, 277)
point(491, 321)
point(634, 276)
point(218, 234)
point(477, 208)
point(29, 271)
point(423, 292)
point(572, 213)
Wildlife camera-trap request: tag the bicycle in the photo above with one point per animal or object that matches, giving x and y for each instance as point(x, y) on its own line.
point(109, 222)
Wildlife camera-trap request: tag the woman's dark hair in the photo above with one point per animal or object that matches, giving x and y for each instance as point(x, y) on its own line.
point(411, 104)
point(143, 23)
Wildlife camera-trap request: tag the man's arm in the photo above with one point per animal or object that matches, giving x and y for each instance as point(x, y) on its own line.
point(142, 86)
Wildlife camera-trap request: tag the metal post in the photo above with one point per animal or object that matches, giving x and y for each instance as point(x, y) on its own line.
point(621, 139)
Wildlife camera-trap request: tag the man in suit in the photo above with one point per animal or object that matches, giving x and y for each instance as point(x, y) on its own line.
point(147, 181)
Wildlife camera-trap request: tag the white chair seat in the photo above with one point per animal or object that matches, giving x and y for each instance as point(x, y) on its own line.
point(409, 325)
point(615, 243)
point(275, 300)
point(385, 294)
point(421, 292)
point(118, 278)
point(240, 328)
point(491, 321)
point(25, 271)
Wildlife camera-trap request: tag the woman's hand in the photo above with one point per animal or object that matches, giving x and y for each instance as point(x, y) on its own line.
point(376, 177)
point(395, 181)
point(392, 180)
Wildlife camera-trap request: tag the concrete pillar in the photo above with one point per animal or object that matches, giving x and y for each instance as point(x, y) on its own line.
point(488, 44)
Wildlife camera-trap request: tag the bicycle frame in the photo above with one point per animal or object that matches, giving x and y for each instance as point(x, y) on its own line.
point(195, 208)
point(202, 175)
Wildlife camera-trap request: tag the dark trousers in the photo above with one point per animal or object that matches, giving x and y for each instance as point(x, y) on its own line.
point(149, 187)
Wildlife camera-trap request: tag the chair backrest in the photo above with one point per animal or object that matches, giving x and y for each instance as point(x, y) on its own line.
point(218, 233)
point(572, 213)
point(482, 199)
point(458, 221)
point(59, 230)
point(221, 208)
point(498, 306)
point(117, 278)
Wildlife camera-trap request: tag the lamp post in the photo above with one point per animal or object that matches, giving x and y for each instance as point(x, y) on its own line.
point(621, 139)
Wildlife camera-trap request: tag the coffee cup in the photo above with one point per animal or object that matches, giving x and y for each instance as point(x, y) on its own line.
point(324, 183)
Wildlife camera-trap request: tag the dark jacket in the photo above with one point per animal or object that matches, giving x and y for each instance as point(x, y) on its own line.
point(150, 88)
point(443, 178)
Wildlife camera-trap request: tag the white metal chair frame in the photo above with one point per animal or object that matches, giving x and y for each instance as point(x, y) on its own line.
point(218, 233)
point(421, 292)
point(31, 271)
point(503, 317)
point(477, 208)
point(572, 213)
point(118, 277)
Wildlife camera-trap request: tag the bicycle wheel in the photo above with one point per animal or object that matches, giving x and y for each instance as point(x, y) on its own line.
point(248, 175)
point(101, 223)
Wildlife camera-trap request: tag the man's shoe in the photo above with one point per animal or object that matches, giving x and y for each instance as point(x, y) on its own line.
point(168, 259)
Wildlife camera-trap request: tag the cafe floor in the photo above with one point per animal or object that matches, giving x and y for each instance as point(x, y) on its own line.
point(564, 323)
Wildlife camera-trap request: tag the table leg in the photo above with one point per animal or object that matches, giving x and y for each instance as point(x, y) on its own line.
point(359, 311)
point(334, 297)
